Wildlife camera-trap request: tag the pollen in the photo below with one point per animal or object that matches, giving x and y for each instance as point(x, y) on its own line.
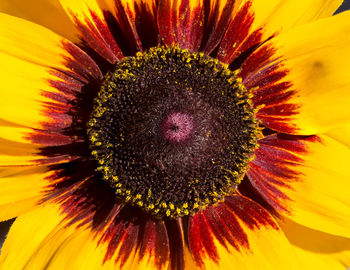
point(173, 131)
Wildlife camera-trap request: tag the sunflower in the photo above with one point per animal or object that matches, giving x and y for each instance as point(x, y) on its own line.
point(164, 134)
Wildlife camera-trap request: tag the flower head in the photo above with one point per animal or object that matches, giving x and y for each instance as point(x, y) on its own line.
point(176, 135)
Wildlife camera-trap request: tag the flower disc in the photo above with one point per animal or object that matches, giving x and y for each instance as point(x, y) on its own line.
point(171, 131)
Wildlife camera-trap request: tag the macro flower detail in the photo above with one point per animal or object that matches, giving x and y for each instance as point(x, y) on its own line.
point(162, 134)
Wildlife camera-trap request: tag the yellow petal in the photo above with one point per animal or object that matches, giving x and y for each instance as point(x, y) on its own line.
point(341, 134)
point(317, 56)
point(321, 198)
point(31, 228)
point(281, 15)
point(20, 190)
point(319, 250)
point(48, 13)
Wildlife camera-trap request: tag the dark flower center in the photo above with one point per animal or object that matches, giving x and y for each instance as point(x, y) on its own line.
point(172, 132)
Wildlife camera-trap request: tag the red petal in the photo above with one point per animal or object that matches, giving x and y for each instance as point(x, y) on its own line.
point(181, 22)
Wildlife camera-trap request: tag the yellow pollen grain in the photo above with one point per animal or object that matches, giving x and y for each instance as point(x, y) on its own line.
point(139, 203)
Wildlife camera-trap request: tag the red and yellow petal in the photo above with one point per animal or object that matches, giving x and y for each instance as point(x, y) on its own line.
point(132, 245)
point(239, 37)
point(220, 15)
point(48, 13)
point(89, 19)
point(36, 44)
point(53, 244)
point(314, 60)
point(181, 22)
point(137, 23)
point(320, 250)
point(238, 233)
point(21, 96)
point(305, 179)
point(17, 154)
point(42, 73)
point(48, 243)
point(256, 21)
point(125, 233)
point(14, 147)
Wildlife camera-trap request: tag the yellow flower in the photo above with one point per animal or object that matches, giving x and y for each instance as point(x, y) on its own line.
point(169, 134)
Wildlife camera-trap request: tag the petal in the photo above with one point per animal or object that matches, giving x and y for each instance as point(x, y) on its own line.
point(42, 74)
point(49, 244)
point(21, 189)
point(240, 38)
point(18, 149)
point(181, 22)
point(219, 14)
point(15, 150)
point(38, 45)
point(136, 23)
point(48, 13)
point(320, 250)
point(23, 84)
point(91, 23)
point(31, 229)
point(143, 244)
point(305, 179)
point(125, 233)
point(341, 134)
point(281, 15)
point(258, 20)
point(315, 60)
point(238, 234)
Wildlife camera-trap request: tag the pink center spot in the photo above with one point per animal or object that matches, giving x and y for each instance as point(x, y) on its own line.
point(177, 126)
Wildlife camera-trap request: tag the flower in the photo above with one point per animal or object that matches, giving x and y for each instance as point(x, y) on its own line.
point(176, 135)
